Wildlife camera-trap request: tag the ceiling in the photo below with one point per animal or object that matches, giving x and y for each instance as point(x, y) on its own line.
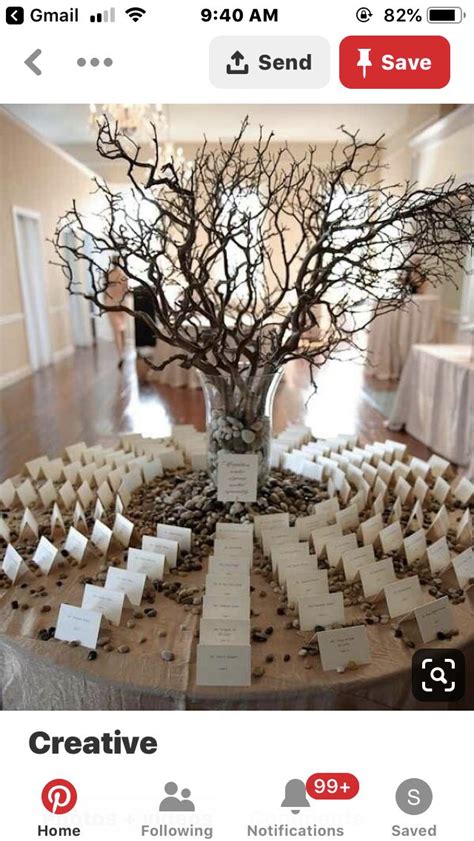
point(67, 125)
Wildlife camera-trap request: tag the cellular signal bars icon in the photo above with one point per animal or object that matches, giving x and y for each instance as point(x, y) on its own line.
point(108, 16)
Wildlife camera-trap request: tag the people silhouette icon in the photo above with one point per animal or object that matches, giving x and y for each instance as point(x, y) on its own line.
point(174, 804)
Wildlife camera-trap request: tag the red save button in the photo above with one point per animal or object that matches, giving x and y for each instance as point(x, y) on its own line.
point(396, 61)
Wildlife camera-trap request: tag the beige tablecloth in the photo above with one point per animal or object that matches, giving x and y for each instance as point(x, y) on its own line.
point(435, 400)
point(392, 335)
point(173, 374)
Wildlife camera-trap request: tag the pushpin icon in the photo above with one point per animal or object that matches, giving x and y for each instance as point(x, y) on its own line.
point(364, 61)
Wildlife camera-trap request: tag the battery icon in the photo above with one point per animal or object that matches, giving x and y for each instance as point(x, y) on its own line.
point(445, 14)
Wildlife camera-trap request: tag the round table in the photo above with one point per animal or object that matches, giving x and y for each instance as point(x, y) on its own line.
point(391, 336)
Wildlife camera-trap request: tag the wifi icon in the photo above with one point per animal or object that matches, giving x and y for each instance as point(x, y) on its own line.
point(135, 13)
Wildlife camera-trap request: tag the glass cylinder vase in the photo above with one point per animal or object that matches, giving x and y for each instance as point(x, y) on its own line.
point(239, 409)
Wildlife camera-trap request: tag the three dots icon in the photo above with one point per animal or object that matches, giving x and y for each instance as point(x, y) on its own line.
point(94, 62)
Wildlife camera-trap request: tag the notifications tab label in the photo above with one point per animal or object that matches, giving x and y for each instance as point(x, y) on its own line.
point(394, 61)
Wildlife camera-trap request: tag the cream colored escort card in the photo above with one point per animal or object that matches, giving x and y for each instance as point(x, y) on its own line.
point(295, 565)
point(415, 546)
point(309, 582)
point(441, 490)
point(128, 582)
point(26, 493)
point(100, 475)
point(464, 529)
point(353, 560)
point(325, 609)
point(85, 495)
point(182, 535)
point(463, 565)
point(416, 518)
point(419, 467)
point(292, 553)
point(122, 530)
point(47, 494)
point(235, 607)
point(150, 563)
point(76, 544)
point(7, 493)
point(153, 469)
point(105, 601)
point(223, 665)
point(433, 618)
point(305, 525)
point(4, 529)
point(115, 478)
point(101, 537)
point(396, 513)
point(99, 510)
point(343, 647)
point(71, 472)
point(45, 555)
point(224, 632)
point(391, 537)
point(29, 529)
point(262, 521)
point(230, 566)
point(67, 495)
point(371, 529)
point(75, 451)
point(231, 529)
point(86, 474)
point(237, 477)
point(53, 470)
point(420, 490)
point(402, 489)
point(227, 586)
point(34, 467)
point(327, 510)
point(320, 537)
point(439, 557)
point(403, 596)
point(277, 536)
point(438, 465)
point(79, 518)
point(236, 549)
point(75, 624)
point(57, 521)
point(168, 548)
point(440, 525)
point(13, 565)
point(463, 490)
point(379, 505)
point(336, 546)
point(374, 577)
point(348, 518)
point(105, 495)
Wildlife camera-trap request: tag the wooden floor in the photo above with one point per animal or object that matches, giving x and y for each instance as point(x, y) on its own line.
point(85, 397)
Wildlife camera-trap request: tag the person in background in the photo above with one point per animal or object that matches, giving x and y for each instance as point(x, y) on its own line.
point(115, 294)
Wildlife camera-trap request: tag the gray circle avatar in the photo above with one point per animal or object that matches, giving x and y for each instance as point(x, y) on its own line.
point(414, 796)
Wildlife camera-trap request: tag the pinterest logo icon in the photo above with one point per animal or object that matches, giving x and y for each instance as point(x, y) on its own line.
point(59, 797)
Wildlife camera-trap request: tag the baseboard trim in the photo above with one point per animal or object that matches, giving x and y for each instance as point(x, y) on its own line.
point(13, 377)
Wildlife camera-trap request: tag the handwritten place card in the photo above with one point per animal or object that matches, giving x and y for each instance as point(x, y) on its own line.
point(7, 493)
point(45, 555)
point(168, 548)
point(237, 477)
point(348, 518)
point(234, 547)
point(105, 601)
point(284, 556)
point(122, 530)
point(355, 559)
point(305, 525)
point(441, 490)
point(150, 563)
point(34, 466)
point(370, 473)
point(26, 493)
point(325, 609)
point(370, 529)
point(13, 565)
point(223, 665)
point(227, 586)
point(344, 646)
point(262, 521)
point(57, 521)
point(78, 624)
point(224, 632)
point(67, 495)
point(182, 535)
point(306, 582)
point(101, 537)
point(336, 546)
point(440, 525)
point(463, 490)
point(464, 567)
point(105, 495)
point(374, 577)
point(402, 490)
point(433, 618)
point(327, 510)
point(439, 557)
point(403, 596)
point(415, 546)
point(128, 582)
point(29, 528)
point(223, 566)
point(233, 529)
point(321, 536)
point(391, 537)
point(302, 564)
point(277, 536)
point(235, 607)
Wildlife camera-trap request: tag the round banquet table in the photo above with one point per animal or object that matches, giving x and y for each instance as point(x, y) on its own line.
point(39, 675)
point(391, 336)
point(173, 374)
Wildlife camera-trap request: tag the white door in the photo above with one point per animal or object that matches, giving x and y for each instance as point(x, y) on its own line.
point(29, 246)
point(79, 307)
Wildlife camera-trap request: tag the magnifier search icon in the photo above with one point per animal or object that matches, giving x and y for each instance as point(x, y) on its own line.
point(438, 675)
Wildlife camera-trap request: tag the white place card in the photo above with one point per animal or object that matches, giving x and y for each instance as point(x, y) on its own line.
point(325, 609)
point(415, 546)
point(374, 577)
point(79, 518)
point(115, 478)
point(29, 526)
point(71, 472)
point(439, 557)
point(45, 555)
point(47, 494)
point(7, 493)
point(237, 477)
point(101, 537)
point(106, 601)
point(327, 510)
point(262, 521)
point(355, 559)
point(236, 607)
point(391, 537)
point(433, 618)
point(438, 465)
point(275, 537)
point(402, 489)
point(440, 525)
point(419, 467)
point(151, 564)
point(26, 493)
point(288, 554)
point(101, 475)
point(182, 536)
point(464, 529)
point(234, 547)
point(396, 513)
point(128, 582)
point(348, 518)
point(67, 495)
point(370, 529)
point(420, 489)
point(223, 665)
point(78, 624)
point(74, 451)
point(105, 495)
point(343, 647)
point(122, 530)
point(13, 565)
point(57, 521)
point(152, 470)
point(224, 632)
point(224, 529)
point(403, 596)
point(441, 490)
point(415, 521)
point(305, 525)
point(321, 536)
point(85, 495)
point(4, 529)
point(168, 548)
point(53, 470)
point(291, 565)
point(378, 506)
point(463, 490)
point(227, 586)
point(336, 546)
point(34, 466)
point(464, 567)
point(76, 544)
point(86, 473)
point(99, 510)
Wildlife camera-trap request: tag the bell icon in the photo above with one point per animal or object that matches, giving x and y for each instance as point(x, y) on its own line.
point(295, 796)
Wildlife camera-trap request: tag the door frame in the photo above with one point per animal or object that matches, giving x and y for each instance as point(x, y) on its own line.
point(35, 301)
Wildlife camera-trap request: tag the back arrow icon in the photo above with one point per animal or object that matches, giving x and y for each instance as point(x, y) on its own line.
point(30, 62)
